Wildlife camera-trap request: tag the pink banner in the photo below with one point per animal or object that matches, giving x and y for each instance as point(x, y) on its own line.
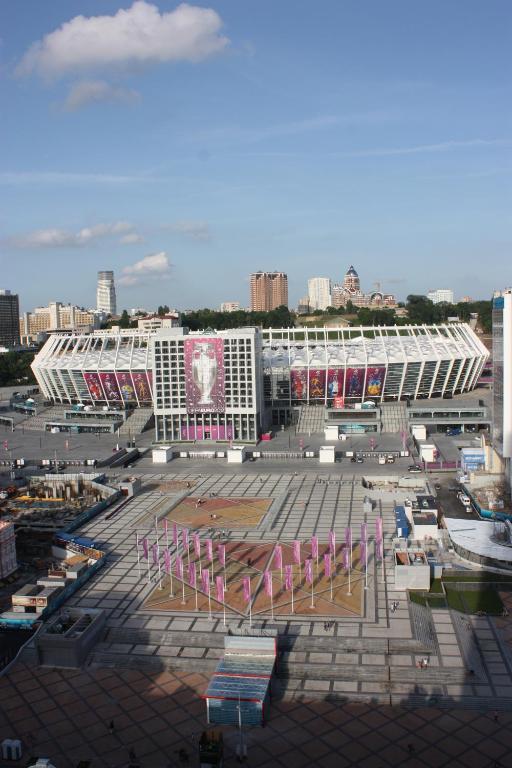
point(298, 383)
point(267, 578)
point(110, 387)
point(175, 534)
point(126, 387)
point(346, 558)
point(141, 386)
point(204, 375)
point(184, 537)
point(155, 553)
point(197, 544)
point(219, 583)
point(327, 565)
point(335, 378)
point(94, 386)
point(209, 550)
point(314, 546)
point(364, 531)
point(205, 580)
point(145, 548)
point(316, 384)
point(221, 554)
point(278, 557)
point(167, 561)
point(348, 537)
point(296, 552)
point(379, 549)
point(378, 527)
point(332, 542)
point(192, 575)
point(178, 566)
point(375, 381)
point(288, 577)
point(246, 586)
point(308, 570)
point(354, 382)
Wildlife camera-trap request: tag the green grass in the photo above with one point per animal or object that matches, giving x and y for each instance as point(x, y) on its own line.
point(478, 576)
point(455, 600)
point(474, 601)
point(436, 587)
point(436, 602)
point(418, 597)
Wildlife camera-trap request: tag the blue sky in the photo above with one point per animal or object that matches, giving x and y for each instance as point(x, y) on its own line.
point(185, 147)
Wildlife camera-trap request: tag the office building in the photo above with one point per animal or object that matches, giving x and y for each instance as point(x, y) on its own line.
point(441, 296)
point(319, 293)
point(269, 290)
point(9, 319)
point(155, 322)
point(502, 378)
point(57, 317)
point(106, 293)
point(230, 306)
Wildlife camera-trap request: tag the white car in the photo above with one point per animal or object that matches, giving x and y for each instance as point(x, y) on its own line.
point(464, 499)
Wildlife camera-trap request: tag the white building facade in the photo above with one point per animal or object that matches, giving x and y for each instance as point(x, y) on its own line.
point(440, 296)
point(106, 293)
point(502, 377)
point(319, 293)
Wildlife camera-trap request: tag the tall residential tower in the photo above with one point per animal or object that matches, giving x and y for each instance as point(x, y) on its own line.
point(106, 293)
point(269, 290)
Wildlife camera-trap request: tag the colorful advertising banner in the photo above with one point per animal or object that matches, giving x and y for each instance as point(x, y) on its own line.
point(94, 386)
point(354, 382)
point(126, 387)
point(316, 384)
point(141, 386)
point(338, 402)
point(204, 375)
point(110, 387)
point(298, 383)
point(375, 381)
point(335, 379)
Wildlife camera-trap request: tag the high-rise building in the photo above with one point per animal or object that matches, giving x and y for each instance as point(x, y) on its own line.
point(502, 377)
point(268, 291)
point(351, 282)
point(319, 292)
point(440, 296)
point(106, 293)
point(57, 316)
point(9, 319)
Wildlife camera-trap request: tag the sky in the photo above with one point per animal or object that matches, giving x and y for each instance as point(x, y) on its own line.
point(185, 146)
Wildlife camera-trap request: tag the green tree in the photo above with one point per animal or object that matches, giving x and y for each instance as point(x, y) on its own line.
point(124, 321)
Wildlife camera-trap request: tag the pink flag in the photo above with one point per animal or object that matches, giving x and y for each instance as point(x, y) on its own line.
point(332, 542)
point(221, 554)
point(364, 531)
point(278, 557)
point(327, 565)
point(209, 549)
point(308, 570)
point(362, 551)
point(166, 526)
point(184, 537)
point(155, 553)
point(296, 552)
point(379, 549)
point(205, 580)
point(348, 538)
point(178, 566)
point(145, 548)
point(267, 577)
point(246, 584)
point(175, 534)
point(197, 544)
point(378, 528)
point(167, 561)
point(219, 581)
point(314, 546)
point(346, 558)
point(192, 575)
point(288, 577)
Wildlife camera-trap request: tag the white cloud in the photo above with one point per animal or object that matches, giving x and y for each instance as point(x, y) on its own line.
point(132, 238)
point(137, 35)
point(197, 230)
point(153, 266)
point(96, 92)
point(54, 237)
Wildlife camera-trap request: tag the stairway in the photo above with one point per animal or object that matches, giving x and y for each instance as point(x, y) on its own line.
point(137, 422)
point(393, 417)
point(311, 420)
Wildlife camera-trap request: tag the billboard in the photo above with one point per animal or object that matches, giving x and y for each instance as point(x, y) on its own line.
point(335, 379)
point(141, 386)
point(126, 387)
point(110, 387)
point(298, 383)
point(375, 381)
point(316, 383)
point(204, 375)
point(354, 382)
point(94, 386)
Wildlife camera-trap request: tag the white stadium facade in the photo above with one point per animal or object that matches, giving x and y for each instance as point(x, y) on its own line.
point(233, 384)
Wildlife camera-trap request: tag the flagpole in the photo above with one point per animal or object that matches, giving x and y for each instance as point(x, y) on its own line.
point(293, 610)
point(149, 568)
point(138, 553)
point(170, 574)
point(312, 589)
point(349, 567)
point(209, 602)
point(159, 566)
point(366, 565)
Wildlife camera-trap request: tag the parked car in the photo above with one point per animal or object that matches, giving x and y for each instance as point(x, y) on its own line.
point(454, 431)
point(359, 459)
point(390, 459)
point(414, 468)
point(464, 499)
point(353, 459)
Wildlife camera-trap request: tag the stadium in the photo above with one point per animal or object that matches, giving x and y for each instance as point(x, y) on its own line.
point(230, 384)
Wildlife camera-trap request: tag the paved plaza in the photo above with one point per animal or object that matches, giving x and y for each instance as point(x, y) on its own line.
point(341, 678)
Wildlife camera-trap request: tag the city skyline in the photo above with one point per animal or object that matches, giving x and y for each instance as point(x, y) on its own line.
point(336, 139)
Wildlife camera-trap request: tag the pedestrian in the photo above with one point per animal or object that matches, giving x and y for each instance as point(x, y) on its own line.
point(495, 716)
point(131, 754)
point(111, 727)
